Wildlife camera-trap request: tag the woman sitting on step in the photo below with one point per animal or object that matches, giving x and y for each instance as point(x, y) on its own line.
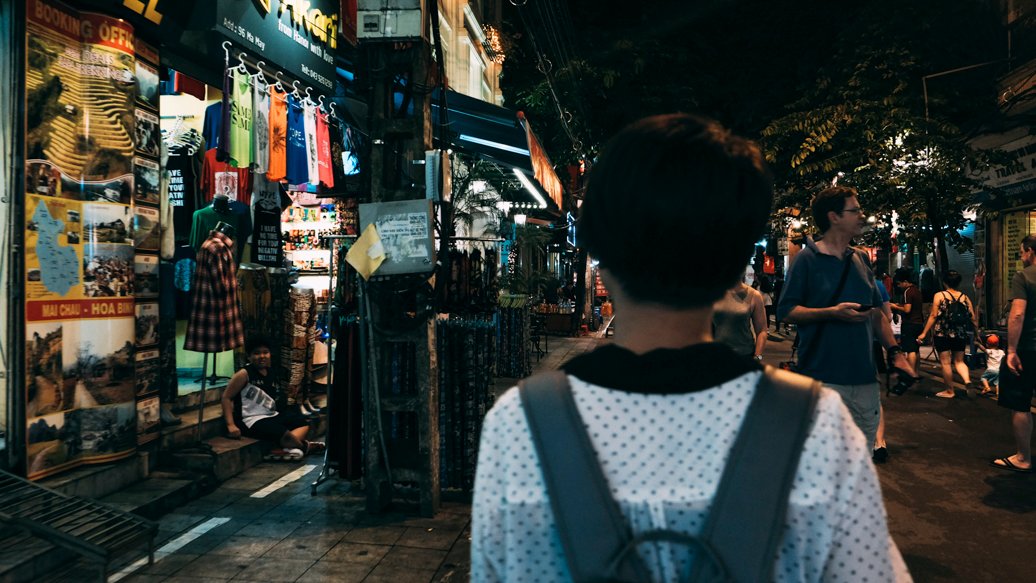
point(249, 409)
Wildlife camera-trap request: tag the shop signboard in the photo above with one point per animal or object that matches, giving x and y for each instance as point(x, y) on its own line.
point(298, 36)
point(80, 81)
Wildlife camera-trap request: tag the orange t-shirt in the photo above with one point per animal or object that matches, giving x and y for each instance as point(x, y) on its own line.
point(278, 135)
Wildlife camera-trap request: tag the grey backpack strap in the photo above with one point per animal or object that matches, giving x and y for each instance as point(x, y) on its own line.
point(746, 522)
point(590, 523)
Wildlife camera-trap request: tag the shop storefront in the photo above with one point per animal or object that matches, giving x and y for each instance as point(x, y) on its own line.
point(149, 125)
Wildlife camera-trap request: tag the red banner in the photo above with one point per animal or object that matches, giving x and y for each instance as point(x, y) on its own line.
point(37, 311)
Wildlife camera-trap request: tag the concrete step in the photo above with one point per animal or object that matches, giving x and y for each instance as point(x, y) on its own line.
point(183, 435)
point(163, 492)
point(228, 457)
point(97, 481)
point(190, 400)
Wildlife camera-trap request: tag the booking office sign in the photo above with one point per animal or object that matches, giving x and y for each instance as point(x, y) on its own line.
point(79, 310)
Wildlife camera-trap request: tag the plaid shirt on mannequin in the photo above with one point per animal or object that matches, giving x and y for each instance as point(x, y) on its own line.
point(215, 322)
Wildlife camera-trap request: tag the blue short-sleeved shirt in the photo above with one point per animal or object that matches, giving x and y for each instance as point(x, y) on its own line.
point(295, 157)
point(843, 355)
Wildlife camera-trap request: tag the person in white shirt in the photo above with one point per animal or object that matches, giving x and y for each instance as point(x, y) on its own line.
point(994, 355)
point(662, 403)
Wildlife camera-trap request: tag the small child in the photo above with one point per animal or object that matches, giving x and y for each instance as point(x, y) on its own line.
point(991, 378)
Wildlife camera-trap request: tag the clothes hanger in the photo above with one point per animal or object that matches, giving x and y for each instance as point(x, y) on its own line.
point(331, 106)
point(259, 73)
point(295, 89)
point(278, 84)
point(309, 99)
point(241, 64)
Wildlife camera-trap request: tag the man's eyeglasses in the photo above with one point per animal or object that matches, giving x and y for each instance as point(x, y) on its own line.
point(856, 210)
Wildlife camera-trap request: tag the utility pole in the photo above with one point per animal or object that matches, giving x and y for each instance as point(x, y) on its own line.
point(401, 410)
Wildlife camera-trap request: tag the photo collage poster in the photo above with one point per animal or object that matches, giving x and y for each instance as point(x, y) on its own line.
point(146, 240)
point(81, 95)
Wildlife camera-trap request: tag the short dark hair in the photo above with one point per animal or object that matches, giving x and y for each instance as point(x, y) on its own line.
point(952, 278)
point(1029, 242)
point(670, 187)
point(904, 274)
point(829, 200)
point(255, 343)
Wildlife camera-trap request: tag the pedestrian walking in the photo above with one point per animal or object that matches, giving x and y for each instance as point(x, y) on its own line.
point(994, 356)
point(911, 311)
point(739, 321)
point(951, 321)
point(1018, 382)
point(592, 467)
point(831, 295)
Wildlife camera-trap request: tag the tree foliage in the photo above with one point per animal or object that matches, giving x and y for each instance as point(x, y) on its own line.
point(828, 87)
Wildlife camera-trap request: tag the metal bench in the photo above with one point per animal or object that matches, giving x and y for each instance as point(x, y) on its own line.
point(95, 532)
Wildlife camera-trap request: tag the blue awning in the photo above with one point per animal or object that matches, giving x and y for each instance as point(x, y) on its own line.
point(481, 128)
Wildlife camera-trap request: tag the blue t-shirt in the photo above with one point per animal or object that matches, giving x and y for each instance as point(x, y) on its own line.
point(297, 171)
point(843, 355)
point(881, 290)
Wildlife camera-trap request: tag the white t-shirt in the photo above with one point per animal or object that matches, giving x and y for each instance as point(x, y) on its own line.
point(993, 358)
point(663, 455)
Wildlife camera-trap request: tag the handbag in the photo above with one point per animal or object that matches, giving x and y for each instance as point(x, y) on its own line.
point(746, 522)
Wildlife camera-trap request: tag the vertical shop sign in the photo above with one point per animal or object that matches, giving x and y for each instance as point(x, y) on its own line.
point(80, 91)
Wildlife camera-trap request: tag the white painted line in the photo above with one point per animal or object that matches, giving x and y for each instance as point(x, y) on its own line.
point(171, 546)
point(283, 481)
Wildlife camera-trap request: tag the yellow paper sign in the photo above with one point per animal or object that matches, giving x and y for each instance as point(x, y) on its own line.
point(367, 253)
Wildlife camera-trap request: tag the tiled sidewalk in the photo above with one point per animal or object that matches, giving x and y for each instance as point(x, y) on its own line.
point(289, 535)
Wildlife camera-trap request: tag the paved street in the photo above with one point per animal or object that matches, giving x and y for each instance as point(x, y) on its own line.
point(954, 518)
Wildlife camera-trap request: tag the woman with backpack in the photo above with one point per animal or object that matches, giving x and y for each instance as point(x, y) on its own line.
point(953, 318)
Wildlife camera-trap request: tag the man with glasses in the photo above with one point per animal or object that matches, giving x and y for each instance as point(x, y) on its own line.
point(831, 295)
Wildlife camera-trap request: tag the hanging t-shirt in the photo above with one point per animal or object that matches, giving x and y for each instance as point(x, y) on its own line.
point(297, 166)
point(213, 124)
point(261, 127)
point(266, 238)
point(268, 198)
point(183, 191)
point(222, 178)
point(276, 166)
point(324, 152)
point(312, 157)
point(223, 142)
point(241, 120)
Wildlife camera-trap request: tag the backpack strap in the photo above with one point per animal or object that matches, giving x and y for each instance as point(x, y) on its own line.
point(590, 523)
point(746, 522)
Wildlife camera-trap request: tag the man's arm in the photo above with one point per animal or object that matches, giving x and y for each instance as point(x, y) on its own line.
point(234, 386)
point(845, 312)
point(901, 308)
point(759, 323)
point(1015, 320)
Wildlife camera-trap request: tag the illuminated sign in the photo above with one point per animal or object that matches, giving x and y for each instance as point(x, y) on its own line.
point(298, 36)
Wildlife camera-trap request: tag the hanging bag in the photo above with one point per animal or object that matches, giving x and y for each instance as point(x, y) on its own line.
point(741, 534)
